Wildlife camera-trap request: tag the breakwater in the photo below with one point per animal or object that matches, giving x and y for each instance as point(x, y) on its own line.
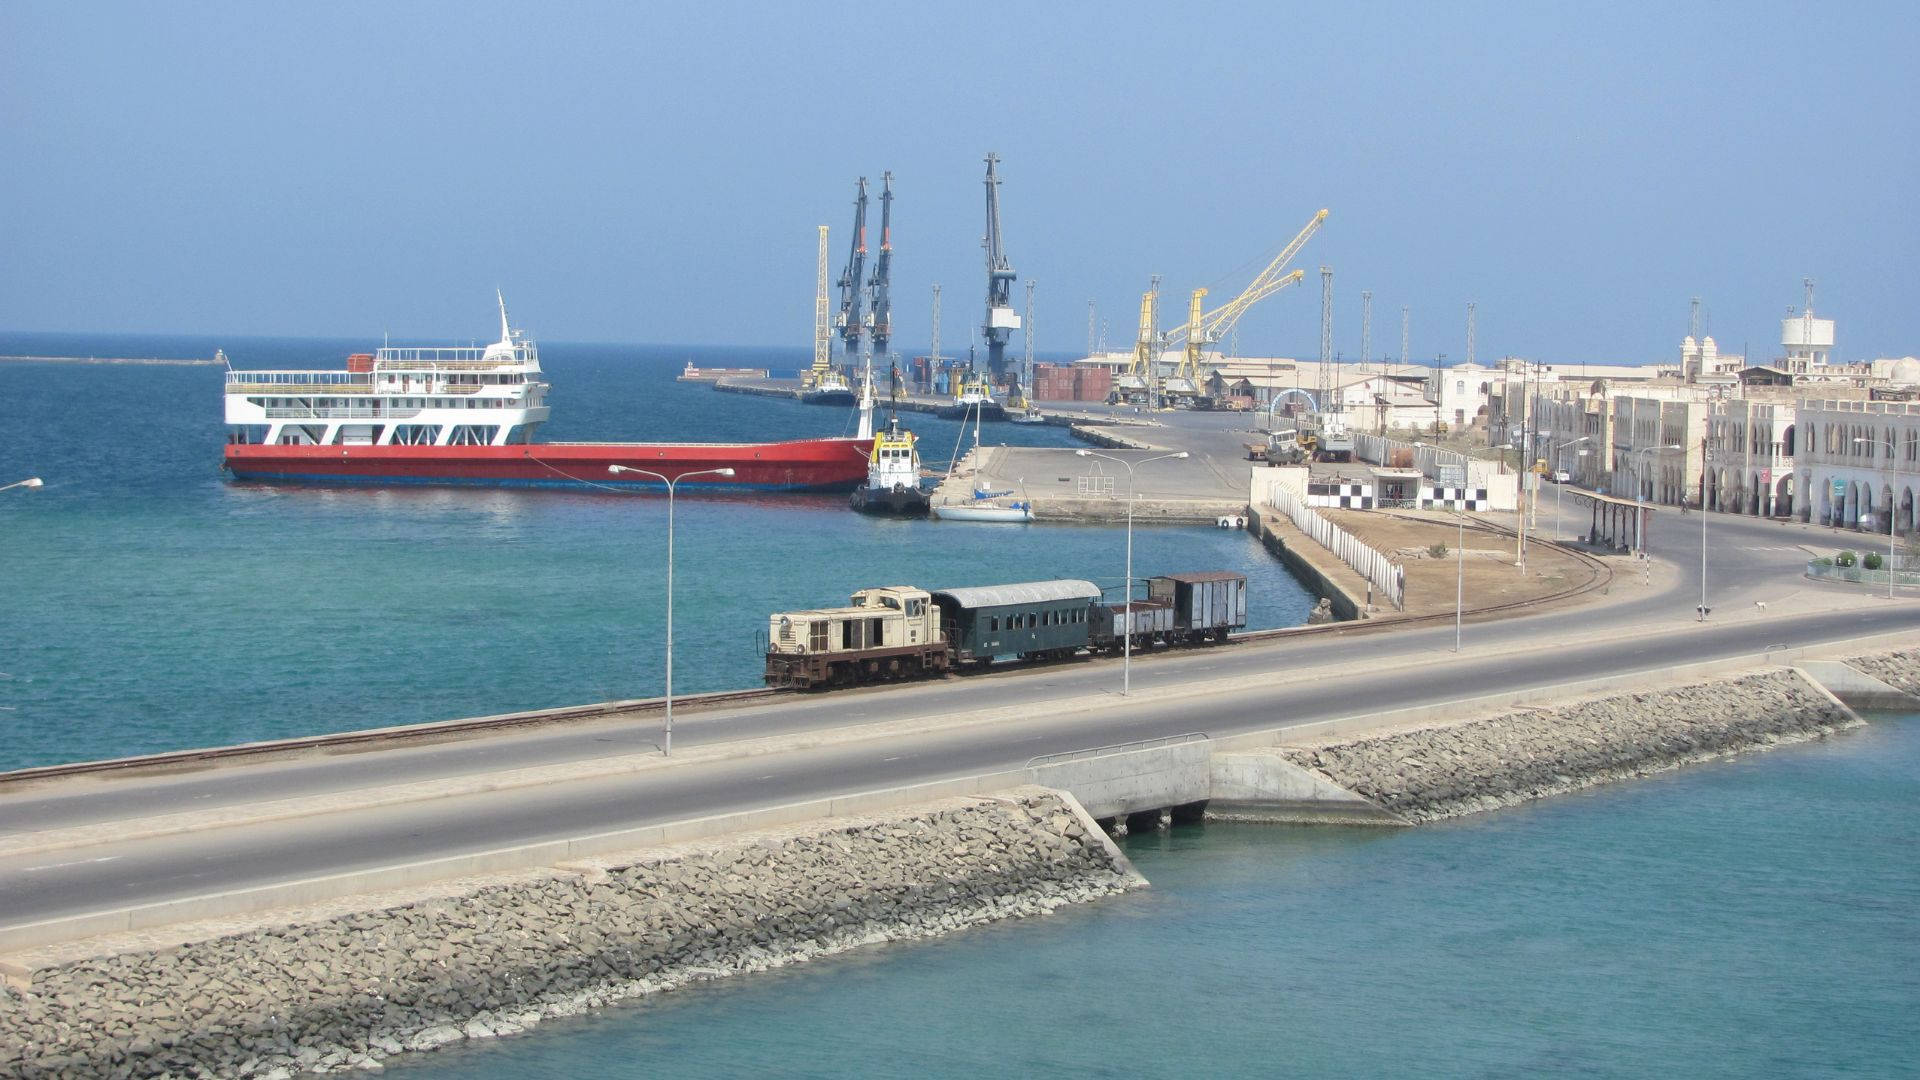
point(346, 991)
point(1900, 670)
point(1437, 772)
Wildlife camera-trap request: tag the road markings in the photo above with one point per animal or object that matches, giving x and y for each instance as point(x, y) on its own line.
point(76, 862)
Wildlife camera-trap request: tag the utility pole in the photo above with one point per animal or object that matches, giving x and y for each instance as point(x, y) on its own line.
point(1470, 328)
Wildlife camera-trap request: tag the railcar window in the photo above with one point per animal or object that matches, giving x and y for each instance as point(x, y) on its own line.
point(817, 635)
point(993, 623)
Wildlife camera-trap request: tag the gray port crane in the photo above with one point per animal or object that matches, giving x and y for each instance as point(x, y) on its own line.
point(849, 323)
point(881, 304)
point(1001, 320)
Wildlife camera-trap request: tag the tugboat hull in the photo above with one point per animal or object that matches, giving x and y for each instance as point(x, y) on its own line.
point(899, 501)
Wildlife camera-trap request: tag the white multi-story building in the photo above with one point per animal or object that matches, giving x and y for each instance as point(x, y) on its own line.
point(1858, 462)
point(1750, 461)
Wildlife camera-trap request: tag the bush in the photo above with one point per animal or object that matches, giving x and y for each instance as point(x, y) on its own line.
point(1845, 558)
point(1823, 561)
point(1437, 551)
point(1872, 561)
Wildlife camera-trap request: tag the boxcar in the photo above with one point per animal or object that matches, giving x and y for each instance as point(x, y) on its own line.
point(1204, 605)
point(1030, 620)
point(1148, 620)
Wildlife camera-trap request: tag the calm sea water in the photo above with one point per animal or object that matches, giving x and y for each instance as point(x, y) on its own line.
point(150, 604)
point(1741, 919)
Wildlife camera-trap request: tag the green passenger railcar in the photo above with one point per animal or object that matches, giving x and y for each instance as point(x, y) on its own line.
point(1031, 620)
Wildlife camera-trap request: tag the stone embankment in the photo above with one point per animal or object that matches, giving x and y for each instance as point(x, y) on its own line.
point(348, 991)
point(1485, 764)
point(1900, 670)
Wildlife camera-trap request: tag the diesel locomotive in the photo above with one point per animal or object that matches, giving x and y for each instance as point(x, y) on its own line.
point(906, 632)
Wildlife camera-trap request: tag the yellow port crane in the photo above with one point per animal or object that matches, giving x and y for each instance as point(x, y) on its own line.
point(1140, 374)
point(1202, 330)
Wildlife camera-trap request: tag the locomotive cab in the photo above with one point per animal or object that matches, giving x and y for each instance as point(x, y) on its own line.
point(883, 633)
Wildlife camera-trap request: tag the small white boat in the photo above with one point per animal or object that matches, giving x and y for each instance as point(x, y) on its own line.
point(984, 510)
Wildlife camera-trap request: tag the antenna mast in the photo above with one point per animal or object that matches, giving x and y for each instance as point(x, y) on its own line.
point(1470, 329)
point(1405, 356)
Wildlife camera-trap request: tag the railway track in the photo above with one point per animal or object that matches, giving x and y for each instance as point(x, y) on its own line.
point(446, 730)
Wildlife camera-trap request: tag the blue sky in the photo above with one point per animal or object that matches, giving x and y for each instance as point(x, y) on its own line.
point(654, 173)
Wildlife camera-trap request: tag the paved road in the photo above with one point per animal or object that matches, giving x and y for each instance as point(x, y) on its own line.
point(1640, 628)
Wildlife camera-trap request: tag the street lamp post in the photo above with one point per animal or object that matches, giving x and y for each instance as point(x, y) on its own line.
point(1126, 663)
point(666, 748)
point(1559, 485)
point(29, 482)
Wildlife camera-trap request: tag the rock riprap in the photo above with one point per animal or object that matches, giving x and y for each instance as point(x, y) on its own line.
point(347, 992)
point(1440, 772)
point(1900, 670)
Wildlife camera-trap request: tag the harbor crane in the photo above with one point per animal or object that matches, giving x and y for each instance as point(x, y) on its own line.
point(822, 332)
point(849, 322)
point(881, 302)
point(1202, 330)
point(1001, 319)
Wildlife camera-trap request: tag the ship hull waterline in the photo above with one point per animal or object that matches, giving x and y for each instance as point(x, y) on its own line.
point(807, 465)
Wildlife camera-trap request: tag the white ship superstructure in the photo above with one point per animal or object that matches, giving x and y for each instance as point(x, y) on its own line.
point(400, 396)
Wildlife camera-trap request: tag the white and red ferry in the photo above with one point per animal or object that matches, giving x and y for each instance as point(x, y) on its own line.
point(426, 415)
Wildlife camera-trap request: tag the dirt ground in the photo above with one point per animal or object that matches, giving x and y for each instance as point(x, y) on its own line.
point(1491, 577)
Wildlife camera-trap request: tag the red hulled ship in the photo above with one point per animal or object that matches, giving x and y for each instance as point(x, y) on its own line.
point(407, 415)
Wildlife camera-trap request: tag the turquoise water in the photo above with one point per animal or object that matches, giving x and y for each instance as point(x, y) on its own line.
point(151, 604)
point(1746, 918)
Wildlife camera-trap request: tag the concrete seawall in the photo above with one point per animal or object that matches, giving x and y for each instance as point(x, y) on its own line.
point(495, 955)
point(1313, 565)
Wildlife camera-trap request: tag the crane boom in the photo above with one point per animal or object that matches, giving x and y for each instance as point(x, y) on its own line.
point(1215, 324)
point(880, 284)
point(849, 322)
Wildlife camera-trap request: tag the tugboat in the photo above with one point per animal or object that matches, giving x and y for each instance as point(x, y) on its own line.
point(831, 388)
point(893, 475)
point(973, 398)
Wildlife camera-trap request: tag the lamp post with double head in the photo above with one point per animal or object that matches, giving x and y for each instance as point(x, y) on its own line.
point(1126, 663)
point(666, 746)
point(29, 482)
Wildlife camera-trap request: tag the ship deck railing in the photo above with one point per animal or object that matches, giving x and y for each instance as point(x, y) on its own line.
point(374, 413)
point(462, 358)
